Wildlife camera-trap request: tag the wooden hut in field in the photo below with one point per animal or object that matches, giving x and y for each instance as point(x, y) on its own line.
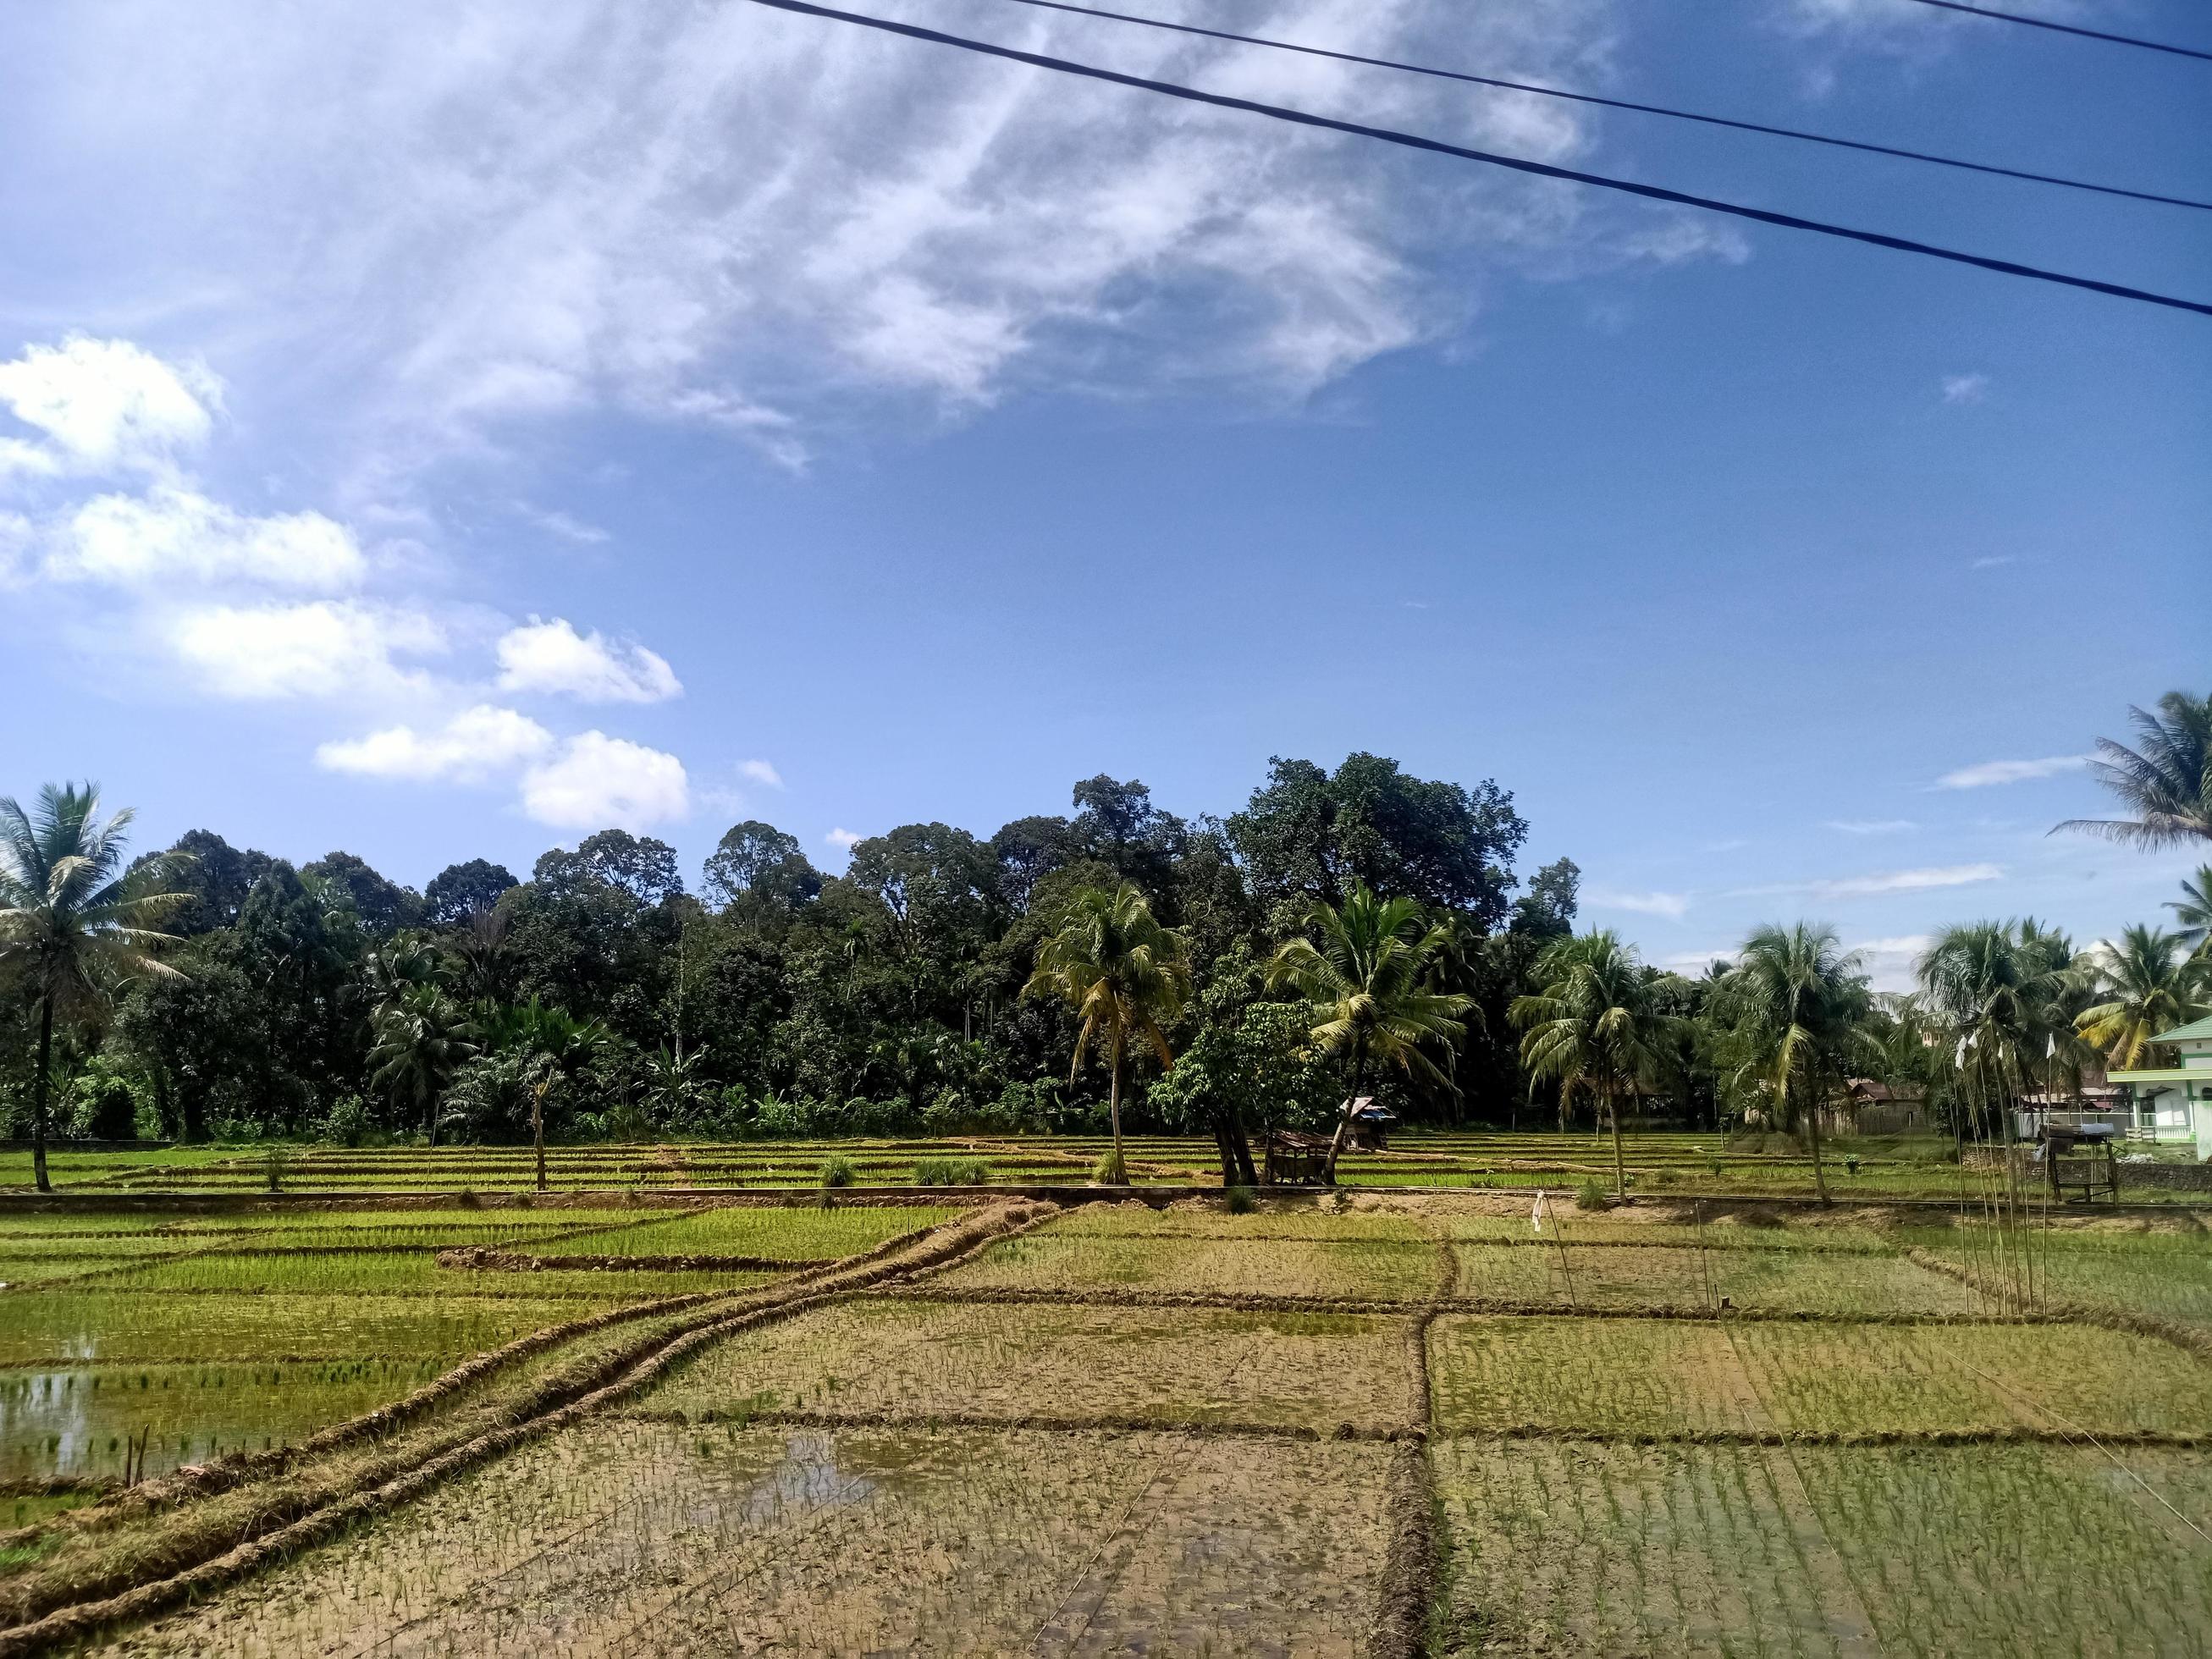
point(1367, 1125)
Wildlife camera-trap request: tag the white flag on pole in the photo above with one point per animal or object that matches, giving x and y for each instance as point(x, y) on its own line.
point(1536, 1215)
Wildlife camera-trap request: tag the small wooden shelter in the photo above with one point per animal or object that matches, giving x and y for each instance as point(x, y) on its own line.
point(1367, 1125)
point(2079, 1161)
point(1296, 1160)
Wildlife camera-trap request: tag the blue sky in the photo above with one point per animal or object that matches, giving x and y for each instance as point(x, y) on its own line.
point(438, 432)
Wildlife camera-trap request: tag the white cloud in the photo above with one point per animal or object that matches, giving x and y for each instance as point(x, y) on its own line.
point(567, 527)
point(1983, 776)
point(1889, 961)
point(598, 780)
point(844, 838)
point(1965, 388)
point(1902, 881)
point(322, 649)
point(761, 772)
point(17, 537)
point(1870, 826)
point(758, 221)
point(474, 745)
point(1994, 561)
point(102, 407)
point(552, 656)
point(1646, 904)
point(1694, 963)
point(171, 532)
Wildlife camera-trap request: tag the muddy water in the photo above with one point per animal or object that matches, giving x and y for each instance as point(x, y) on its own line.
point(76, 1420)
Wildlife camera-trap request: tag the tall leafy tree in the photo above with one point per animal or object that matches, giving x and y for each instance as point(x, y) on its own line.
point(460, 890)
point(1367, 969)
point(2164, 781)
point(382, 906)
point(1801, 1008)
point(2146, 984)
point(1592, 1028)
point(71, 926)
point(215, 877)
point(1126, 976)
point(1309, 834)
point(761, 871)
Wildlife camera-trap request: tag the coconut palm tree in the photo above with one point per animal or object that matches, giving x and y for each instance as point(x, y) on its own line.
point(2193, 910)
point(422, 1039)
point(1126, 976)
point(2147, 985)
point(70, 926)
point(1993, 997)
point(1367, 971)
point(2166, 782)
point(1592, 1027)
point(553, 1044)
point(1802, 1009)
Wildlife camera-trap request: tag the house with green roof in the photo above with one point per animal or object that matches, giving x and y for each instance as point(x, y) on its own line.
point(2174, 1102)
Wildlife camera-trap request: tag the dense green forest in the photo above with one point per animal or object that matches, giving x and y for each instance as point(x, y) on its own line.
point(1360, 929)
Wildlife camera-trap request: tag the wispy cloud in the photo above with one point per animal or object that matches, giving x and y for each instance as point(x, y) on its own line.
point(844, 838)
point(1988, 773)
point(567, 527)
point(1881, 881)
point(1965, 388)
point(1870, 826)
point(1889, 961)
point(1696, 962)
point(1642, 904)
point(761, 772)
point(1993, 561)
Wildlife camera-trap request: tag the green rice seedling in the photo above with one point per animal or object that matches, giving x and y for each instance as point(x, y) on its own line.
point(837, 1171)
point(952, 1172)
point(1238, 1200)
point(1109, 1170)
point(1590, 1194)
point(1383, 1269)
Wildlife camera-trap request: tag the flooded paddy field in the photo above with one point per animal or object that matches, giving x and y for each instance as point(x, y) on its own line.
point(1359, 1424)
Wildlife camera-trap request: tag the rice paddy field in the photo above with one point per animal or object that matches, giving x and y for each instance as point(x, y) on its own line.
point(1659, 1164)
point(1395, 1422)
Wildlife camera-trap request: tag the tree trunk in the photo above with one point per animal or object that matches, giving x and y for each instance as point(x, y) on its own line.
point(537, 1128)
point(39, 1083)
point(1619, 1164)
point(1813, 1131)
point(432, 1096)
point(1114, 1114)
point(1344, 1116)
point(1235, 1151)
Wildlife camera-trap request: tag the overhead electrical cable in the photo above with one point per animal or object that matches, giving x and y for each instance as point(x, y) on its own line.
point(2057, 27)
point(1438, 146)
point(1540, 91)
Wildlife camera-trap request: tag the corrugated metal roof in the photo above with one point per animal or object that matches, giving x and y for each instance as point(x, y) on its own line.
point(2198, 1029)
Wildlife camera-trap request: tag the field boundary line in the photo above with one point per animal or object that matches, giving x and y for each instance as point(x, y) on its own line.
point(1387, 1307)
point(2197, 1343)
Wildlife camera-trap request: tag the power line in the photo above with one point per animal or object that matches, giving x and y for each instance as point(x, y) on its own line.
point(1542, 169)
point(1995, 15)
point(1619, 103)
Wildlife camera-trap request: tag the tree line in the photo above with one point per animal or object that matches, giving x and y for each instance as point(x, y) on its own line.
point(1354, 931)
